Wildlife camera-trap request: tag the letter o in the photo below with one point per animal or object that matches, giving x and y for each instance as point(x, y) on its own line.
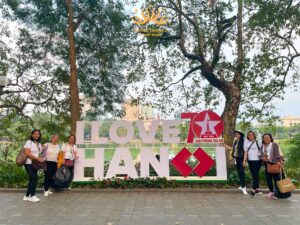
point(113, 132)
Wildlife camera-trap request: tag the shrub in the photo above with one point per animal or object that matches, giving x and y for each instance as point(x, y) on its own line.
point(12, 175)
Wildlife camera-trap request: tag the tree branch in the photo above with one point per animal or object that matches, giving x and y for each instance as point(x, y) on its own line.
point(184, 77)
point(182, 42)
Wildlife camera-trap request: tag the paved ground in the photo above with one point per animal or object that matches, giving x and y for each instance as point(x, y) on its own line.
point(149, 208)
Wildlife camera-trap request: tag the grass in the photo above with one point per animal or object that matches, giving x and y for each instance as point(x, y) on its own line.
point(284, 146)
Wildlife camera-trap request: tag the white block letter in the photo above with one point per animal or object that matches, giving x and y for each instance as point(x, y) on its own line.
point(160, 166)
point(168, 130)
point(95, 139)
point(97, 163)
point(115, 168)
point(113, 132)
point(147, 137)
point(79, 132)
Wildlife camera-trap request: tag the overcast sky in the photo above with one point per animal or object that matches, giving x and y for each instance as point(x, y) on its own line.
point(290, 105)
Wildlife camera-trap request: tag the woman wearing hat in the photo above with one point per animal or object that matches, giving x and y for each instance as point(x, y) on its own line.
point(238, 155)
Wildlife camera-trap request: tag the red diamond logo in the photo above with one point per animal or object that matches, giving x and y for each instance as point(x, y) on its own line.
point(204, 165)
point(205, 162)
point(179, 162)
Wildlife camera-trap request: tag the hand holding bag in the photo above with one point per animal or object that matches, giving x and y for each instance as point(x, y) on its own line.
point(285, 184)
point(37, 165)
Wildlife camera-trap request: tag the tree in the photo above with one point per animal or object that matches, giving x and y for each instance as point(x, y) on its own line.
point(207, 50)
point(273, 34)
point(89, 37)
point(34, 84)
point(194, 43)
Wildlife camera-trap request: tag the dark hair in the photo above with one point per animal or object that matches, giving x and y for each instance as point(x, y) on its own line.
point(241, 140)
point(72, 135)
point(270, 135)
point(252, 133)
point(32, 132)
point(240, 143)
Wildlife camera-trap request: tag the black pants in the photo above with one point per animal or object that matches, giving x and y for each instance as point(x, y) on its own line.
point(241, 171)
point(270, 177)
point(254, 167)
point(33, 179)
point(72, 173)
point(49, 173)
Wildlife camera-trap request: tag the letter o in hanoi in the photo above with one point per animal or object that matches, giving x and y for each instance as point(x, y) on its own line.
point(114, 135)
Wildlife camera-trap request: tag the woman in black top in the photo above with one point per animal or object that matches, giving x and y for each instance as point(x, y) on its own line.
point(238, 155)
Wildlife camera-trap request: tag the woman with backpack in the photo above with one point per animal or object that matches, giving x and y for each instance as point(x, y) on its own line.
point(51, 152)
point(252, 155)
point(270, 154)
point(32, 149)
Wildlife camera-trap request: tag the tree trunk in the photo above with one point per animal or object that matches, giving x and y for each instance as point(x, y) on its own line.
point(230, 113)
point(73, 85)
point(233, 91)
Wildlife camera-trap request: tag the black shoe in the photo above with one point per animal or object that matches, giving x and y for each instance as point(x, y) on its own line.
point(258, 192)
point(252, 194)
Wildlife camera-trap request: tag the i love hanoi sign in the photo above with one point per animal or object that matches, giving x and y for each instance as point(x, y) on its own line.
point(191, 158)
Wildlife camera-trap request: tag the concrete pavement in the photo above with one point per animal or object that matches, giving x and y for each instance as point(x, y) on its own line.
point(148, 208)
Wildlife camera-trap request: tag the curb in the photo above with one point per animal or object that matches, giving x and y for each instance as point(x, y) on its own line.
point(111, 190)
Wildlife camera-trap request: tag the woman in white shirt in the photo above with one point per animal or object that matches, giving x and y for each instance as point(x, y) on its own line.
point(51, 154)
point(253, 154)
point(69, 150)
point(32, 149)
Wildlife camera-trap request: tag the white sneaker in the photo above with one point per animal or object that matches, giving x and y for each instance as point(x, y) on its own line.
point(244, 191)
point(50, 192)
point(46, 193)
point(26, 198)
point(33, 199)
point(240, 188)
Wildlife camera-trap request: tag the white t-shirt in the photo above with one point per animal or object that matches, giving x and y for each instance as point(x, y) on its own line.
point(52, 152)
point(253, 152)
point(269, 148)
point(34, 149)
point(69, 151)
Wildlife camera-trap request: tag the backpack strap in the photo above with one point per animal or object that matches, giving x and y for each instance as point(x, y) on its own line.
point(250, 146)
point(257, 145)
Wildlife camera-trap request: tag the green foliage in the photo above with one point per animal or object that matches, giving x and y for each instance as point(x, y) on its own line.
point(293, 158)
point(102, 46)
point(273, 65)
point(128, 183)
point(12, 176)
point(233, 177)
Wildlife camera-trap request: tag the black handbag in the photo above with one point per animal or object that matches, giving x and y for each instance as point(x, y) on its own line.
point(37, 165)
point(62, 177)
